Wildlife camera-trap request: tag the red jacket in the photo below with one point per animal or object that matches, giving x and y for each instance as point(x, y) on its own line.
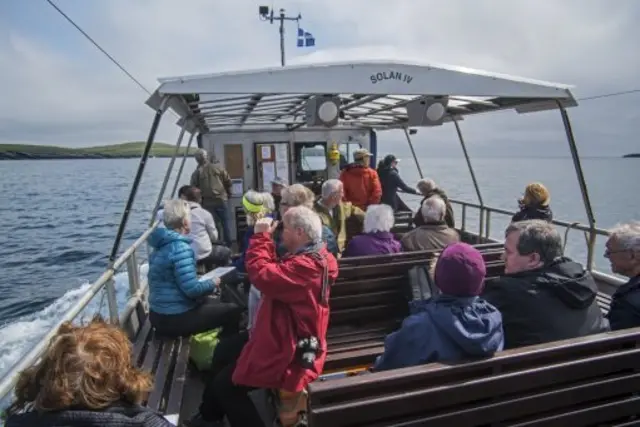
point(290, 309)
point(361, 185)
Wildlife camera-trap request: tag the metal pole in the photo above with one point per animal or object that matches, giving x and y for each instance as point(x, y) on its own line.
point(282, 37)
point(167, 175)
point(473, 175)
point(581, 182)
point(136, 181)
point(184, 159)
point(466, 156)
point(112, 301)
point(415, 158)
point(133, 273)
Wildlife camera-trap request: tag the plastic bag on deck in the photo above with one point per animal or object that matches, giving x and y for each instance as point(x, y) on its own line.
point(202, 347)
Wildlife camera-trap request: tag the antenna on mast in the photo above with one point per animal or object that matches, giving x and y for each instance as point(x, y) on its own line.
point(265, 13)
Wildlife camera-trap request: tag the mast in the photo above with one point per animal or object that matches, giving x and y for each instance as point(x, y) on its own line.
point(266, 14)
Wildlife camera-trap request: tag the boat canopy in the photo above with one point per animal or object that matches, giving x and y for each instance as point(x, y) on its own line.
point(371, 94)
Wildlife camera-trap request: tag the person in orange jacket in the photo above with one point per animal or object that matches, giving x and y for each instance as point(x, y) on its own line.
point(361, 183)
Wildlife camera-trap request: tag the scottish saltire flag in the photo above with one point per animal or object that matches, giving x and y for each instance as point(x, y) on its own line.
point(305, 39)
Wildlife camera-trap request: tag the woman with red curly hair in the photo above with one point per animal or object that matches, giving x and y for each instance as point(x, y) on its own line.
point(85, 378)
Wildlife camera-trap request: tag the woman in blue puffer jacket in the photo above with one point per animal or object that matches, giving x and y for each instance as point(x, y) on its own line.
point(178, 301)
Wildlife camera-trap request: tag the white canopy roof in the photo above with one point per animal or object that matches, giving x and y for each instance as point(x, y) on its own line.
point(372, 94)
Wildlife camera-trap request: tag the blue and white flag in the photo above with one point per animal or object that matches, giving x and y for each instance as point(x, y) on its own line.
point(305, 39)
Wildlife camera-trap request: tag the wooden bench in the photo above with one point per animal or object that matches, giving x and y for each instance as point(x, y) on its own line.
point(370, 300)
point(167, 359)
point(588, 381)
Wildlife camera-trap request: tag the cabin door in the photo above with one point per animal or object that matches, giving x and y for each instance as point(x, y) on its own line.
point(271, 161)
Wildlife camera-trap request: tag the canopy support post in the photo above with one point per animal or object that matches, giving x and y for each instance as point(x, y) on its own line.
point(168, 174)
point(473, 175)
point(582, 183)
point(184, 159)
point(415, 158)
point(136, 182)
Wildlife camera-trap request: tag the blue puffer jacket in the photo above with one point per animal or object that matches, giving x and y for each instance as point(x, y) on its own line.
point(173, 282)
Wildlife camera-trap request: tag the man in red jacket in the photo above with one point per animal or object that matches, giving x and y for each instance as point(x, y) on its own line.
point(294, 308)
point(361, 183)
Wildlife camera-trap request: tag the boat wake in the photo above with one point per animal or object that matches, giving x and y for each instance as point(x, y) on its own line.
point(21, 335)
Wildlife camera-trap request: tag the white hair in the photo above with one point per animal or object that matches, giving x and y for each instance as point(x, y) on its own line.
point(201, 155)
point(305, 219)
point(268, 202)
point(330, 187)
point(426, 185)
point(296, 195)
point(433, 209)
point(378, 218)
point(176, 212)
point(628, 235)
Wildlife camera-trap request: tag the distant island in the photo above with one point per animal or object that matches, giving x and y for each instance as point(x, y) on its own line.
point(628, 156)
point(127, 150)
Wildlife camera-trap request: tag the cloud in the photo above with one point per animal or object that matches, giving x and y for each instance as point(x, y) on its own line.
point(59, 89)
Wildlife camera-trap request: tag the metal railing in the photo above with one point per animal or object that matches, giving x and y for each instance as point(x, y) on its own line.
point(106, 283)
point(484, 227)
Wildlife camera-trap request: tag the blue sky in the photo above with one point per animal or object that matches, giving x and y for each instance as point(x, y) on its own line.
point(58, 89)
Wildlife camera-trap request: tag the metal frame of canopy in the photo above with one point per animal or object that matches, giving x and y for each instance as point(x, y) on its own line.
point(370, 94)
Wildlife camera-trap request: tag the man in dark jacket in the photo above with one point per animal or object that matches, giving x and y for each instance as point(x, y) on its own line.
point(623, 251)
point(543, 296)
point(391, 182)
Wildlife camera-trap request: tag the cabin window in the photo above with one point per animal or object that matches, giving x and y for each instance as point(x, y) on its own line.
point(346, 150)
point(313, 158)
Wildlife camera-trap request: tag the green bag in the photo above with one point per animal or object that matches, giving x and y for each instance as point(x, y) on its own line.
point(202, 347)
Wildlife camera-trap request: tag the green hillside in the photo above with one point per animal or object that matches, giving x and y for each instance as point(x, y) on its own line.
point(124, 150)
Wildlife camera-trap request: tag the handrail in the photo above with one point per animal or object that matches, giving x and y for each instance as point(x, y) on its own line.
point(11, 377)
point(574, 225)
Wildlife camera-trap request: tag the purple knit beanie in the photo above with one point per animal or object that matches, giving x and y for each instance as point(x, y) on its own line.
point(460, 271)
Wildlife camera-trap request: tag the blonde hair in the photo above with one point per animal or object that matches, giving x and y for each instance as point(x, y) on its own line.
point(536, 194)
point(86, 367)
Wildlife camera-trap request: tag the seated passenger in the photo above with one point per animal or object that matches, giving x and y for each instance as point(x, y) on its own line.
point(295, 306)
point(203, 232)
point(334, 212)
point(542, 296)
point(361, 183)
point(299, 195)
point(277, 185)
point(84, 378)
point(534, 204)
point(210, 252)
point(623, 251)
point(455, 325)
point(377, 238)
point(177, 299)
point(434, 234)
point(429, 188)
point(253, 204)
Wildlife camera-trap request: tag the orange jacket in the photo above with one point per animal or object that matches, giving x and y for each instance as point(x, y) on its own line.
point(361, 185)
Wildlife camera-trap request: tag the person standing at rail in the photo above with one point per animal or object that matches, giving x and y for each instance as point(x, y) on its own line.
point(391, 182)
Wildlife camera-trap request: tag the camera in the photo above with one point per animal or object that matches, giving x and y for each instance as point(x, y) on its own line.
point(308, 349)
